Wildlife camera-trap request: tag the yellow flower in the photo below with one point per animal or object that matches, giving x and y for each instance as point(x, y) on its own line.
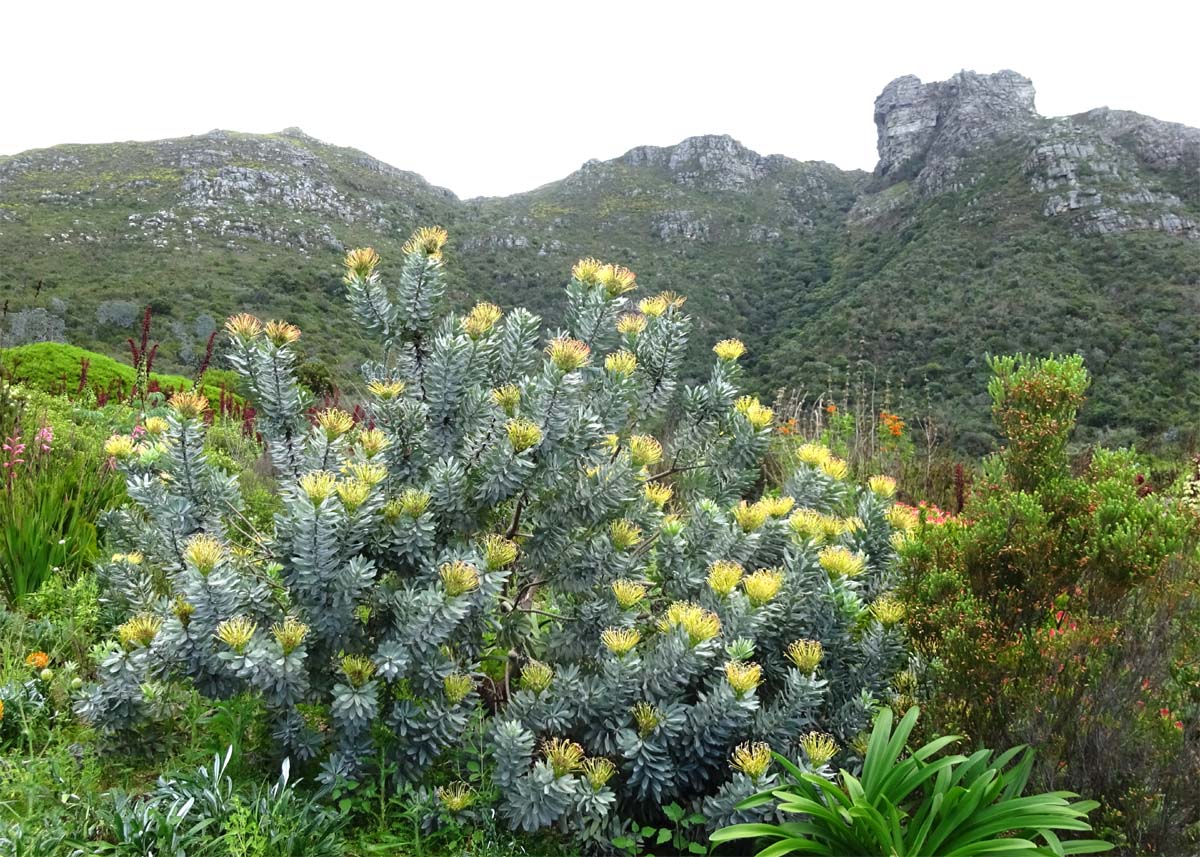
point(428, 240)
point(370, 474)
point(523, 434)
point(644, 450)
point(841, 561)
point(900, 540)
point(243, 326)
point(459, 577)
point(699, 624)
point(236, 632)
point(729, 349)
point(616, 280)
point(1, 710)
point(139, 631)
point(852, 525)
point(620, 641)
point(481, 319)
point(763, 585)
point(902, 517)
point(654, 306)
point(647, 717)
point(386, 389)
point(587, 271)
point(884, 486)
point(155, 426)
point(458, 686)
point(743, 677)
point(507, 398)
point(752, 759)
point(621, 363)
point(813, 454)
point(819, 748)
point(318, 486)
point(134, 558)
point(749, 517)
point(565, 756)
point(836, 468)
point(498, 551)
point(334, 422)
point(353, 493)
point(568, 354)
point(811, 524)
point(457, 796)
point(372, 442)
point(360, 263)
point(289, 634)
point(888, 610)
point(536, 677)
point(657, 493)
point(673, 300)
point(631, 324)
point(183, 611)
point(598, 771)
point(118, 446)
point(37, 660)
point(281, 333)
point(778, 507)
point(806, 655)
point(357, 669)
point(628, 593)
point(624, 534)
point(203, 552)
point(724, 576)
point(413, 502)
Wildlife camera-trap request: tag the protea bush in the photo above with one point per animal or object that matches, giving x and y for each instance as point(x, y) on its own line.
point(546, 530)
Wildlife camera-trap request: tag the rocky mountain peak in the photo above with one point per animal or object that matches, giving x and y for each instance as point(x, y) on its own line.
point(946, 118)
point(713, 160)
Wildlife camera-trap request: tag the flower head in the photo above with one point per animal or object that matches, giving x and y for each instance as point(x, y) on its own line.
point(654, 306)
point(743, 677)
point(628, 593)
point(236, 632)
point(155, 426)
point(281, 333)
point(819, 748)
point(699, 624)
point(459, 578)
point(334, 422)
point(587, 271)
point(624, 534)
point(902, 517)
point(724, 576)
point(372, 442)
point(616, 280)
point(810, 524)
point(840, 561)
point(622, 363)
point(357, 669)
point(318, 486)
point(189, 404)
point(729, 349)
point(763, 585)
point(369, 474)
point(37, 660)
point(386, 389)
point(523, 434)
point(353, 493)
point(813, 454)
point(658, 493)
point(203, 552)
point(568, 354)
point(806, 655)
point(631, 324)
point(458, 686)
point(289, 634)
point(778, 507)
point(750, 517)
point(481, 319)
point(456, 796)
point(139, 631)
point(119, 446)
point(413, 502)
point(758, 415)
point(835, 468)
point(646, 716)
point(498, 551)
point(243, 326)
point(752, 759)
point(507, 398)
point(644, 450)
point(360, 263)
point(565, 756)
point(598, 771)
point(620, 641)
point(428, 240)
point(884, 486)
point(887, 609)
point(536, 677)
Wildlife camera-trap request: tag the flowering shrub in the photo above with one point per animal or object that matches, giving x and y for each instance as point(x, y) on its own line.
point(566, 536)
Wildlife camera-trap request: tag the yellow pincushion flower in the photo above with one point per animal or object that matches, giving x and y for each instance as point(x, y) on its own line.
point(481, 319)
point(203, 552)
point(428, 240)
point(620, 641)
point(134, 558)
point(699, 624)
point(743, 677)
point(459, 577)
point(458, 686)
point(673, 299)
point(836, 468)
point(806, 655)
point(456, 796)
point(647, 717)
point(289, 634)
point(631, 324)
point(413, 502)
point(40, 660)
point(654, 306)
point(183, 611)
point(370, 474)
point(621, 363)
point(357, 669)
point(903, 517)
point(819, 748)
point(729, 349)
point(334, 422)
point(118, 446)
point(536, 677)
point(887, 609)
point(507, 398)
point(758, 415)
point(840, 561)
point(753, 760)
point(624, 534)
point(568, 354)
point(763, 585)
point(628, 593)
point(616, 280)
point(852, 524)
point(523, 434)
point(811, 524)
point(360, 263)
point(243, 326)
point(587, 271)
point(155, 426)
point(644, 450)
point(813, 454)
point(385, 390)
point(657, 493)
point(139, 631)
point(598, 771)
point(899, 540)
point(749, 517)
point(565, 756)
point(884, 486)
point(372, 442)
point(724, 576)
point(353, 493)
point(281, 333)
point(236, 632)
point(778, 507)
point(318, 486)
point(498, 551)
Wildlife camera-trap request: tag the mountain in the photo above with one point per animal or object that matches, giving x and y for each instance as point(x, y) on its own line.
point(984, 228)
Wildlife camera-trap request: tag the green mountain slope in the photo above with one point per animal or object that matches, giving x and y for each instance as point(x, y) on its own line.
point(985, 228)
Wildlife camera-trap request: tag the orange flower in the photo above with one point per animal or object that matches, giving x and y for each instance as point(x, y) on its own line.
point(37, 660)
point(831, 408)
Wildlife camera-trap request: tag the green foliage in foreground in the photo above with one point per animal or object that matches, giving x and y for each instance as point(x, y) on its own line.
point(916, 804)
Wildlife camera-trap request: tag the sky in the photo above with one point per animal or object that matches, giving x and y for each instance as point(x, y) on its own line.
point(492, 98)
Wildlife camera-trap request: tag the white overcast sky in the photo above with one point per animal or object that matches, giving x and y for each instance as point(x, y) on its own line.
point(490, 98)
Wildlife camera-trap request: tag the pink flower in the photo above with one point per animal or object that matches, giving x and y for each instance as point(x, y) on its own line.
point(45, 437)
point(137, 432)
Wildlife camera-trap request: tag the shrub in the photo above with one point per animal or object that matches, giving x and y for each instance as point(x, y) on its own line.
point(575, 541)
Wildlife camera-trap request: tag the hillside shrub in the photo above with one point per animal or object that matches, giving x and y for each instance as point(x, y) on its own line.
point(575, 548)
